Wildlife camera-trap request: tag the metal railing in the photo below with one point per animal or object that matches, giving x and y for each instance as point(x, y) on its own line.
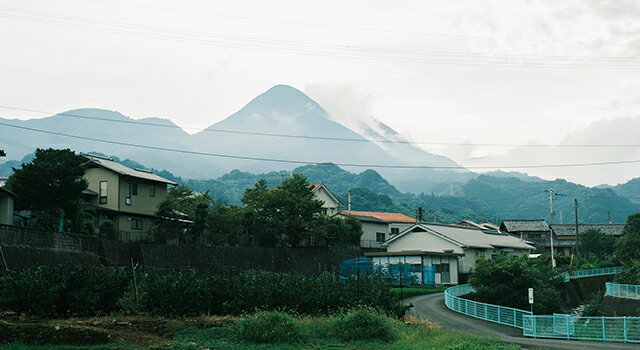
point(605, 329)
point(627, 291)
point(367, 243)
point(596, 272)
point(488, 312)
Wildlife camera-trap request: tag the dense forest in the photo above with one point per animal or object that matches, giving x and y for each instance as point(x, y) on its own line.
point(493, 197)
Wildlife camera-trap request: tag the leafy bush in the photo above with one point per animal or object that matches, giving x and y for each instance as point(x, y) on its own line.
point(362, 324)
point(593, 305)
point(630, 274)
point(267, 327)
point(46, 291)
point(504, 280)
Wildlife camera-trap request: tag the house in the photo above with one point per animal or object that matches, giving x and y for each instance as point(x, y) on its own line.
point(377, 227)
point(450, 250)
point(128, 197)
point(7, 199)
point(535, 230)
point(330, 202)
point(565, 235)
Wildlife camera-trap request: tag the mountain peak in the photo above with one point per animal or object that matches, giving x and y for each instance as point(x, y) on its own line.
point(284, 99)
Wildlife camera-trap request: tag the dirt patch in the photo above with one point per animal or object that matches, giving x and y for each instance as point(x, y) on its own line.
point(49, 334)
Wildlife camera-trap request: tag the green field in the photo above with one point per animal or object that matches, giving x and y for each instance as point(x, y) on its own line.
point(313, 333)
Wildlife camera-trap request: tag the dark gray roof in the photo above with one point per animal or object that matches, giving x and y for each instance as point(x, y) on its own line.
point(570, 229)
point(524, 226)
point(126, 171)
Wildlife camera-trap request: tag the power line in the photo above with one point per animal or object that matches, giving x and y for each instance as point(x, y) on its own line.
point(290, 161)
point(320, 49)
point(365, 29)
point(325, 138)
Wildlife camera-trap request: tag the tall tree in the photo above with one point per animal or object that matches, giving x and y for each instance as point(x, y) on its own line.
point(596, 244)
point(51, 186)
point(627, 246)
point(287, 211)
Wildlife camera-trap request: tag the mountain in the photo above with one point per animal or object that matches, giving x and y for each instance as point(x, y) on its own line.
point(629, 189)
point(280, 110)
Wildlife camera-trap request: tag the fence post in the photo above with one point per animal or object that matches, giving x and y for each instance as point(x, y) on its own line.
point(485, 312)
point(498, 313)
point(604, 331)
point(624, 323)
point(535, 330)
point(567, 318)
point(515, 324)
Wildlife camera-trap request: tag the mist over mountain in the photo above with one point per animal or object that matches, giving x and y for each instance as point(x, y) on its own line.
point(281, 110)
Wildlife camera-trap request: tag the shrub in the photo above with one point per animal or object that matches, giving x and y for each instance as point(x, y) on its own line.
point(267, 327)
point(481, 344)
point(593, 305)
point(362, 324)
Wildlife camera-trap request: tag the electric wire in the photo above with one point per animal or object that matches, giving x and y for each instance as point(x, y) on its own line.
point(291, 161)
point(311, 137)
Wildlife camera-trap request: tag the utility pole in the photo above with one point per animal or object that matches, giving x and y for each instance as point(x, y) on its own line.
point(551, 194)
point(349, 200)
point(575, 206)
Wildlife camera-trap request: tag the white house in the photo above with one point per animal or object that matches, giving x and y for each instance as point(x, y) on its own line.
point(451, 250)
point(330, 202)
point(6, 206)
point(377, 227)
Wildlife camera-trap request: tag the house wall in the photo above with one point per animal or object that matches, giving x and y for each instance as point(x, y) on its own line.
point(93, 177)
point(142, 203)
point(328, 203)
point(6, 209)
point(421, 262)
point(369, 230)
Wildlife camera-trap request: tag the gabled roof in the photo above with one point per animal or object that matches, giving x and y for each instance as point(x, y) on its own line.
point(466, 237)
point(109, 164)
point(570, 229)
point(316, 187)
point(380, 216)
point(9, 193)
point(524, 226)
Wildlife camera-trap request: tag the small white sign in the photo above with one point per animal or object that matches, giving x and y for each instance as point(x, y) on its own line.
point(530, 295)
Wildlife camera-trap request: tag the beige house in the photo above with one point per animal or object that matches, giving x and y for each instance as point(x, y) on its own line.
point(377, 227)
point(330, 202)
point(128, 197)
point(449, 249)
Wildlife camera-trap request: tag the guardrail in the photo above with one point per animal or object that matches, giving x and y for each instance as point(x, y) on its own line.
point(627, 291)
point(560, 326)
point(488, 312)
point(596, 272)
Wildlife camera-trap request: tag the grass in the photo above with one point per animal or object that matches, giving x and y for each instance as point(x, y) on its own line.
point(412, 291)
point(314, 334)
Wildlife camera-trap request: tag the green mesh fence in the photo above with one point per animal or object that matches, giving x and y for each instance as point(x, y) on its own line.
point(596, 272)
point(627, 291)
point(605, 329)
point(488, 312)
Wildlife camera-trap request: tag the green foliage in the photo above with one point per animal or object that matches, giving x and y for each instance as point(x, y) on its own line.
point(627, 246)
point(504, 280)
point(108, 229)
point(593, 305)
point(362, 324)
point(289, 210)
point(182, 203)
point(189, 293)
point(51, 186)
point(267, 327)
point(63, 290)
point(594, 243)
point(630, 274)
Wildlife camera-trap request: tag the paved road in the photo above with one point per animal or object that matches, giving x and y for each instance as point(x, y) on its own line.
point(431, 307)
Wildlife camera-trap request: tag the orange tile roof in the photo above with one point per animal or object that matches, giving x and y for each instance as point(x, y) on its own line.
point(389, 217)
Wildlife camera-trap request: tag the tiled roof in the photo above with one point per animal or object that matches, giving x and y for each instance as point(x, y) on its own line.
point(570, 229)
point(468, 237)
point(387, 217)
point(126, 171)
point(524, 226)
point(314, 187)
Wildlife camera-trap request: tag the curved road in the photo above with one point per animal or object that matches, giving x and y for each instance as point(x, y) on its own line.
point(431, 307)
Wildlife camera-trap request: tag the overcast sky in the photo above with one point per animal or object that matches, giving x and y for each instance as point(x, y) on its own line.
point(507, 72)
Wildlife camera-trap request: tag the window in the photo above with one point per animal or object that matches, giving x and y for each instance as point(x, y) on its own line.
point(395, 231)
point(103, 192)
point(136, 224)
point(152, 190)
point(127, 198)
point(134, 189)
point(480, 253)
point(380, 237)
